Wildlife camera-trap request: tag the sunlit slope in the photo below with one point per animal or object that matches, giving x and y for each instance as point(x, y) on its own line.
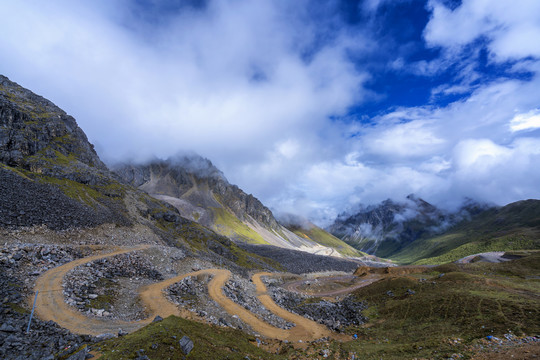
point(201, 193)
point(324, 238)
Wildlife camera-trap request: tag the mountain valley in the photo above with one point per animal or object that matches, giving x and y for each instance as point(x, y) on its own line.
point(167, 259)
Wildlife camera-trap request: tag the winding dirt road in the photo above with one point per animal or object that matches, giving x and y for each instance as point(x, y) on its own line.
point(50, 303)
point(51, 306)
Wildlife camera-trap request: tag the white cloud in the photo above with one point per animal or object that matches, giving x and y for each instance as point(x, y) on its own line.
point(227, 81)
point(479, 156)
point(527, 121)
point(410, 139)
point(511, 27)
point(252, 85)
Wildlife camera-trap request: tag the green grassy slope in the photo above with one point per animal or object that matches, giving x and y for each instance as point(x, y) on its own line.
point(210, 342)
point(227, 224)
point(448, 313)
point(324, 238)
point(512, 227)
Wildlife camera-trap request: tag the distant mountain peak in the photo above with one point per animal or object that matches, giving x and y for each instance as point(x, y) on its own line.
point(387, 227)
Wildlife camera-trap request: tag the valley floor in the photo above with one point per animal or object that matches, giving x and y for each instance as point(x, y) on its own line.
point(376, 315)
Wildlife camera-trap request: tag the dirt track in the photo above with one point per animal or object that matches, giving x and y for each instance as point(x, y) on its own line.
point(51, 305)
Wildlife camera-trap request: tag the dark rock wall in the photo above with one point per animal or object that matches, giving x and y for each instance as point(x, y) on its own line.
point(31, 125)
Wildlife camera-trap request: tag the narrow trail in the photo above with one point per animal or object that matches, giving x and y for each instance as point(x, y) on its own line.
point(51, 305)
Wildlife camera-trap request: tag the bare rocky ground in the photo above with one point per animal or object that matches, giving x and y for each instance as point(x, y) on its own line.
point(336, 315)
point(108, 287)
point(191, 293)
point(242, 291)
point(19, 267)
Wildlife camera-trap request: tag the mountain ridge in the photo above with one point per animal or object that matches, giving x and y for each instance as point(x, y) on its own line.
point(202, 193)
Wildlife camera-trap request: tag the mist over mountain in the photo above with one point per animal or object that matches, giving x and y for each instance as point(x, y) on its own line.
point(201, 193)
point(386, 228)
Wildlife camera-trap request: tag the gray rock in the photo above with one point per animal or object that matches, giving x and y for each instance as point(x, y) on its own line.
point(103, 337)
point(79, 355)
point(186, 345)
point(7, 328)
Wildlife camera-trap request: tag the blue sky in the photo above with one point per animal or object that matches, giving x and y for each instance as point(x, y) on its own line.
point(312, 106)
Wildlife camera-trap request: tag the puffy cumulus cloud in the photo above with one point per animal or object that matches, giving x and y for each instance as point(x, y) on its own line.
point(442, 154)
point(489, 171)
point(264, 89)
point(511, 27)
point(410, 139)
point(229, 79)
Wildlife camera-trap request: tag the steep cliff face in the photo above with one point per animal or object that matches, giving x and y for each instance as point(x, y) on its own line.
point(201, 193)
point(38, 136)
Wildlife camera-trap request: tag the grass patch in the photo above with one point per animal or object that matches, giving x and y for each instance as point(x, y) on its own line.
point(322, 237)
point(210, 342)
point(467, 303)
point(226, 224)
point(17, 308)
point(74, 190)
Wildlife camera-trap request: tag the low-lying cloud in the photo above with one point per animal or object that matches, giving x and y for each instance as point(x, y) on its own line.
point(264, 90)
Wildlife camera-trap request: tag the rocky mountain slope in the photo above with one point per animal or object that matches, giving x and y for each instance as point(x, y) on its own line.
point(201, 193)
point(51, 178)
point(386, 228)
point(306, 229)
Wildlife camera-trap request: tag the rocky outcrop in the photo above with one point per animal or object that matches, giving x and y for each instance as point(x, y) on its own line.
point(38, 136)
point(337, 316)
point(46, 340)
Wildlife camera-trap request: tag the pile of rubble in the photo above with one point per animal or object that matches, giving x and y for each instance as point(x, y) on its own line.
point(96, 287)
point(334, 315)
point(240, 291)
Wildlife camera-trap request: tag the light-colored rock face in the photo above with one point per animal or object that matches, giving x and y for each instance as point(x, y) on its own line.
point(201, 193)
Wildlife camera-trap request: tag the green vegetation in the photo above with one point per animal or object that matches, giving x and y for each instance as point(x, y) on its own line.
point(513, 227)
point(454, 307)
point(21, 172)
point(74, 190)
point(446, 313)
point(229, 225)
point(17, 308)
point(202, 239)
point(324, 238)
point(210, 342)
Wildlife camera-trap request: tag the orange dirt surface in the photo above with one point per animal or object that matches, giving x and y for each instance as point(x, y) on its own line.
point(51, 306)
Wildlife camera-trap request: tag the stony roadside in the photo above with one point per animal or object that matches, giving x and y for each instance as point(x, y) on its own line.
point(19, 266)
point(335, 315)
point(108, 287)
point(191, 293)
point(241, 291)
